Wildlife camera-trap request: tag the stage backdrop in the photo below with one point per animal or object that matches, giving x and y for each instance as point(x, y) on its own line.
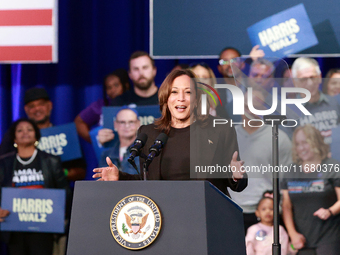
point(184, 28)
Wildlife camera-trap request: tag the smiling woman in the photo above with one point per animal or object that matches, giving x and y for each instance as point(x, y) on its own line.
point(331, 85)
point(180, 105)
point(311, 195)
point(179, 102)
point(30, 168)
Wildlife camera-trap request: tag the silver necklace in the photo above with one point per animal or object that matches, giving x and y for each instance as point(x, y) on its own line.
point(28, 161)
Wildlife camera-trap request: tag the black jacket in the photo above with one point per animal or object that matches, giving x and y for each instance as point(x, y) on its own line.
point(211, 145)
point(52, 171)
point(54, 177)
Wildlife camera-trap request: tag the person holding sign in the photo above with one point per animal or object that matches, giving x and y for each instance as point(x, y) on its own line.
point(115, 84)
point(224, 68)
point(126, 123)
point(142, 72)
point(180, 104)
point(30, 168)
point(38, 108)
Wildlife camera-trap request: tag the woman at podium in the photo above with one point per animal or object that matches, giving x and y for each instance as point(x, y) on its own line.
point(196, 147)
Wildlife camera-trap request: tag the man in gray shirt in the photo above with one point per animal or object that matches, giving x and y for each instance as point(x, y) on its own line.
point(325, 109)
point(255, 146)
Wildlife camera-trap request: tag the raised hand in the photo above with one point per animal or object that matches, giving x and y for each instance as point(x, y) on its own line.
point(236, 167)
point(105, 135)
point(109, 173)
point(255, 53)
point(3, 213)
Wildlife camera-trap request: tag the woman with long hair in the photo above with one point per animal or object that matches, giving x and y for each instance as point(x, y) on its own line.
point(193, 141)
point(311, 195)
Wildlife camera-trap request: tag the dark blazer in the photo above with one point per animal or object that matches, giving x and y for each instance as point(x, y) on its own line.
point(52, 171)
point(211, 146)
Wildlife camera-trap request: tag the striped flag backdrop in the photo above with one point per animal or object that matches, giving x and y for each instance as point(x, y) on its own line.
point(28, 31)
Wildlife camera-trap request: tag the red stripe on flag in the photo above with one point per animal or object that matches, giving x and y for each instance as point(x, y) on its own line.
point(25, 53)
point(26, 17)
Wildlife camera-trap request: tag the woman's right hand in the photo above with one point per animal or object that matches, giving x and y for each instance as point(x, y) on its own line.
point(298, 240)
point(105, 135)
point(236, 166)
point(109, 173)
point(3, 213)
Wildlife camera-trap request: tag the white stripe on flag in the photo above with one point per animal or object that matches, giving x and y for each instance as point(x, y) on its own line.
point(26, 4)
point(26, 35)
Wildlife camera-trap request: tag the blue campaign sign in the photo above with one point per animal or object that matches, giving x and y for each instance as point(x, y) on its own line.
point(284, 33)
point(147, 114)
point(62, 141)
point(33, 210)
point(335, 145)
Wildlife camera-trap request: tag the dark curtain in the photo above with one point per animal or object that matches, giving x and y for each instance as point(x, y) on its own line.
point(95, 38)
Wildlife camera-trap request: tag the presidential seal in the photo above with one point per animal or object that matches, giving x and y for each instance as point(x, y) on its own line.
point(135, 222)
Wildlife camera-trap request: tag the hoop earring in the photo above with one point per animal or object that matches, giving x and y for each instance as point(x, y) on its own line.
point(15, 145)
point(258, 219)
point(36, 143)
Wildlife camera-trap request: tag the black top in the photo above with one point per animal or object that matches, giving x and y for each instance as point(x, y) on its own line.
point(309, 192)
point(28, 175)
point(130, 97)
point(176, 155)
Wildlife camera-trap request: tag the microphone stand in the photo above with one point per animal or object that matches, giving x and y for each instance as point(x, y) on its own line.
point(275, 121)
point(145, 167)
point(145, 170)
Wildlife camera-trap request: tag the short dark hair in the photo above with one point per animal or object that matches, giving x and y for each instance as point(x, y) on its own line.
point(230, 48)
point(17, 122)
point(141, 53)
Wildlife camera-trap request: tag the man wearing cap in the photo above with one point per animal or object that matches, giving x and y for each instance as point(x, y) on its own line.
point(38, 107)
point(126, 124)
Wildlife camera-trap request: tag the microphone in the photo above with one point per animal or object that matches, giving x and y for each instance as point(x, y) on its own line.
point(137, 145)
point(157, 147)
